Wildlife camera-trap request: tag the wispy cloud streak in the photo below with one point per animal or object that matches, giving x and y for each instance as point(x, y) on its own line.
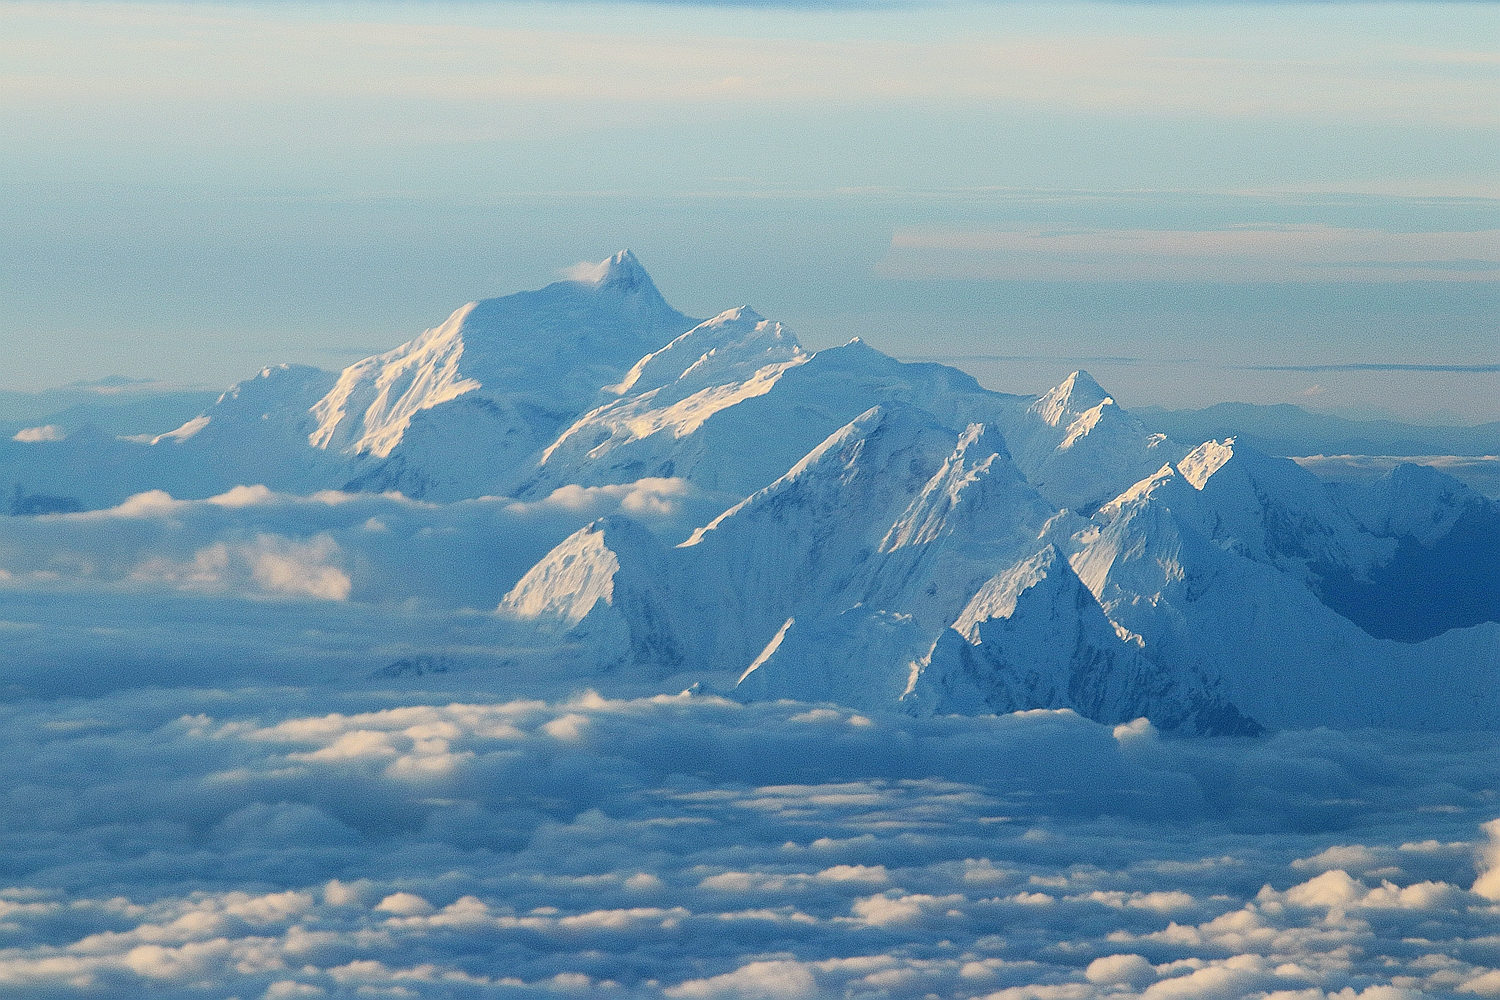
point(1245, 253)
point(1375, 367)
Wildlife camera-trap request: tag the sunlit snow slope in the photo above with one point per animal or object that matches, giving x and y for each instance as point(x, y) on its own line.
point(723, 507)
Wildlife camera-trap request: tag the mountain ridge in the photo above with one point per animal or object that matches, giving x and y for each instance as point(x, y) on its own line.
point(889, 535)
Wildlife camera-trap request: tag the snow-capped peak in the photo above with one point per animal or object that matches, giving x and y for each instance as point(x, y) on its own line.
point(1204, 460)
point(392, 387)
point(1141, 490)
point(620, 270)
point(545, 353)
point(735, 343)
point(566, 585)
point(582, 571)
point(1075, 396)
point(928, 516)
point(831, 454)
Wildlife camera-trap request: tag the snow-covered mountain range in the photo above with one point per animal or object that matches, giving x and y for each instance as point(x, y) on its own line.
point(892, 536)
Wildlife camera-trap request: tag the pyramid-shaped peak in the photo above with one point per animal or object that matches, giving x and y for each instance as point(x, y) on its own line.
point(580, 571)
point(1076, 395)
point(621, 270)
point(728, 348)
point(884, 420)
point(1081, 391)
point(569, 581)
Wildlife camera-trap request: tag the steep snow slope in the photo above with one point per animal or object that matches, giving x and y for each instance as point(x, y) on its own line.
point(1407, 557)
point(374, 400)
point(1034, 637)
point(495, 382)
point(977, 513)
point(1286, 659)
point(859, 657)
point(1274, 511)
point(1444, 572)
point(1411, 501)
point(606, 588)
point(667, 398)
point(855, 642)
point(1078, 447)
point(736, 436)
point(254, 434)
point(797, 545)
point(730, 347)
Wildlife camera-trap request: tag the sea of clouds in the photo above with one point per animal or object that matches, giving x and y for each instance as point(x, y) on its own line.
point(328, 840)
point(271, 747)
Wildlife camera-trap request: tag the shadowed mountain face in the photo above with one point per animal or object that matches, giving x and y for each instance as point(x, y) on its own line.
point(1425, 589)
point(852, 529)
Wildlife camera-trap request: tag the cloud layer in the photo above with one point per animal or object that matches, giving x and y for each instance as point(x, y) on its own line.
point(370, 548)
point(325, 842)
point(1243, 253)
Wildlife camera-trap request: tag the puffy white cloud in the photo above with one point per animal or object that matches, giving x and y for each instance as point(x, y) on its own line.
point(446, 840)
point(1486, 984)
point(756, 981)
point(1488, 883)
point(379, 548)
point(1131, 970)
point(896, 907)
point(297, 569)
point(405, 904)
point(854, 873)
point(1232, 978)
point(36, 435)
point(567, 727)
point(267, 565)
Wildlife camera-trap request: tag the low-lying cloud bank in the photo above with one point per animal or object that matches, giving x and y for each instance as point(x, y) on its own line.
point(326, 841)
point(267, 746)
point(373, 548)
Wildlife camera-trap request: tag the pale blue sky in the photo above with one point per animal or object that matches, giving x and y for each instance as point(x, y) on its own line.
point(192, 190)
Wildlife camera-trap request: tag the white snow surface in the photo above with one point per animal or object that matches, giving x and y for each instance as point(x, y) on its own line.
point(372, 404)
point(566, 585)
point(1228, 615)
point(825, 676)
point(469, 407)
point(1034, 637)
point(844, 519)
point(1079, 448)
point(737, 342)
point(1413, 501)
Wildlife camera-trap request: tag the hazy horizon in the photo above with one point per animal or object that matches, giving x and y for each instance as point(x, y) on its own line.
point(197, 190)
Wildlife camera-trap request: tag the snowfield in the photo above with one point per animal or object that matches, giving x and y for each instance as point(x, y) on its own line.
point(581, 646)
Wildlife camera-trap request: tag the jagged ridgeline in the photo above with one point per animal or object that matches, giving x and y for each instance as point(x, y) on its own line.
point(893, 536)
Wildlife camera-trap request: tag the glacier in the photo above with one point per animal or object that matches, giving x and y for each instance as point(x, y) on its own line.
point(833, 526)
